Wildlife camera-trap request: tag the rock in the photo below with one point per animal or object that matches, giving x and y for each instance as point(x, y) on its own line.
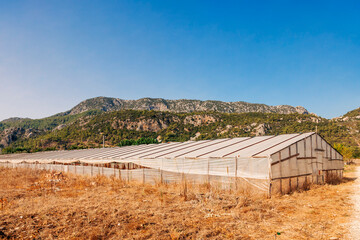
point(196, 136)
point(198, 120)
point(182, 105)
point(61, 126)
point(152, 125)
point(262, 129)
point(11, 135)
point(301, 110)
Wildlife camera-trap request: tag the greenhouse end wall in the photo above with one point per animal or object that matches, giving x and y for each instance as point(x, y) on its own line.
point(309, 161)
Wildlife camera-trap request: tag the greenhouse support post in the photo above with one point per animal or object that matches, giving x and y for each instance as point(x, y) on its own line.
point(270, 176)
point(236, 168)
point(280, 173)
point(143, 175)
point(208, 171)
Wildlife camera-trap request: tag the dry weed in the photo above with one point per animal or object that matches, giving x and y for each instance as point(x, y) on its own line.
point(40, 204)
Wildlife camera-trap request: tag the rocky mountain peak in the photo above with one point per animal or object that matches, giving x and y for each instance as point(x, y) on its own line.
point(182, 105)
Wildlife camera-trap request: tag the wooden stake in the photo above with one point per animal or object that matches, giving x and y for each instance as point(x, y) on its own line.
point(208, 172)
point(280, 173)
point(297, 182)
point(289, 184)
point(143, 173)
point(236, 168)
point(161, 176)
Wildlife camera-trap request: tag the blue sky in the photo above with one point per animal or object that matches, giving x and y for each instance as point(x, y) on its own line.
point(54, 54)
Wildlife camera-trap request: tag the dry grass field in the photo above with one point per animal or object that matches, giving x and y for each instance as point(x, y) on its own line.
point(43, 205)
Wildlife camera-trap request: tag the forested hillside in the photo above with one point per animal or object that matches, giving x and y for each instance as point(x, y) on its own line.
point(87, 129)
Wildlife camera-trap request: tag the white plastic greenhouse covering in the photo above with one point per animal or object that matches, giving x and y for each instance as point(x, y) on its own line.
point(254, 160)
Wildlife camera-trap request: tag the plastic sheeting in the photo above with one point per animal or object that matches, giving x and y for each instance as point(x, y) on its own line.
point(255, 160)
point(149, 176)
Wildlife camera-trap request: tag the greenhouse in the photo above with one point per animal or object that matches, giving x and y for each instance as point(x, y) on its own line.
point(279, 163)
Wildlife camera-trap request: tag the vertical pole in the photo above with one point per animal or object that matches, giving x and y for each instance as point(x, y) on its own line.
point(114, 170)
point(297, 166)
point(143, 173)
point(280, 173)
point(289, 169)
point(289, 184)
point(161, 176)
point(119, 173)
point(208, 171)
point(297, 182)
point(236, 168)
point(161, 171)
point(75, 167)
point(311, 151)
point(92, 168)
point(102, 169)
point(103, 141)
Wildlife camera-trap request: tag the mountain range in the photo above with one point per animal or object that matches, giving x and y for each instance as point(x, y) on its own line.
point(169, 120)
point(107, 104)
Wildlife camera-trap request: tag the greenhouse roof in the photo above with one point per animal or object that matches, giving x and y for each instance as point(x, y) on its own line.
point(261, 146)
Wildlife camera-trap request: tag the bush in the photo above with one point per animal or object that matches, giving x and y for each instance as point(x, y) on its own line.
point(128, 142)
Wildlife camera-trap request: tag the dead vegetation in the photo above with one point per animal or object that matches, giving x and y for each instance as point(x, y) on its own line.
point(43, 205)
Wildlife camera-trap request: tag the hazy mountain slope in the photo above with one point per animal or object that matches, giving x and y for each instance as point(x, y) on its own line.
point(183, 105)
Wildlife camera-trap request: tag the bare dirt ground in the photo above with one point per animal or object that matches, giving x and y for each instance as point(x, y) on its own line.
point(39, 205)
point(355, 221)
